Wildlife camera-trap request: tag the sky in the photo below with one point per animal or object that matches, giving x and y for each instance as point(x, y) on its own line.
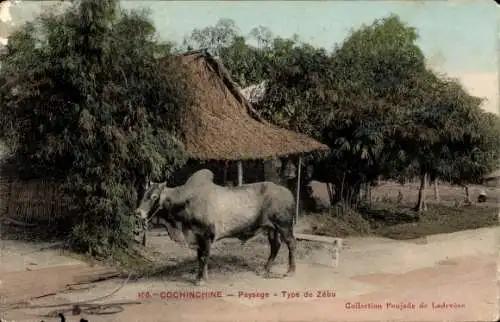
point(460, 38)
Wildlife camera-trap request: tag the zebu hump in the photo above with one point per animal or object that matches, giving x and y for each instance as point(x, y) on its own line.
point(200, 177)
point(269, 187)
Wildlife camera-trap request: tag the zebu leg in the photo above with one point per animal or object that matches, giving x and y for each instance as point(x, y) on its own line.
point(287, 237)
point(203, 253)
point(275, 244)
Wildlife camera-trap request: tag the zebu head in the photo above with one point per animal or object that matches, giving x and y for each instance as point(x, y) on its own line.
point(151, 201)
point(158, 196)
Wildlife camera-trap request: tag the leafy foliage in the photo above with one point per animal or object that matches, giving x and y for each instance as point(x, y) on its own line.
point(213, 38)
point(85, 98)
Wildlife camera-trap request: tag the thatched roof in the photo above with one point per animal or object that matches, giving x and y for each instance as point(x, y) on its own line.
point(222, 125)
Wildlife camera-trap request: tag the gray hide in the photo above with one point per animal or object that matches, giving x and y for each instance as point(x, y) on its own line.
point(201, 212)
point(227, 212)
point(179, 232)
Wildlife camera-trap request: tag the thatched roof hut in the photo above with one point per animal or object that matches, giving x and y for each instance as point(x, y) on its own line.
point(222, 124)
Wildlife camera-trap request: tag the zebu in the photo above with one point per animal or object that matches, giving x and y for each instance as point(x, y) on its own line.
point(201, 213)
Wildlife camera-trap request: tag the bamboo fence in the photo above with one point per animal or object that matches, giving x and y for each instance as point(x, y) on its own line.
point(31, 201)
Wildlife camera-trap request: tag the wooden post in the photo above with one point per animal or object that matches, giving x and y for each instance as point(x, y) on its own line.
point(52, 202)
point(225, 173)
point(297, 196)
point(240, 172)
point(436, 190)
point(144, 238)
point(9, 198)
point(467, 195)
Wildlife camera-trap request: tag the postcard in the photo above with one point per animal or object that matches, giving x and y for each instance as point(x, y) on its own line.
point(249, 160)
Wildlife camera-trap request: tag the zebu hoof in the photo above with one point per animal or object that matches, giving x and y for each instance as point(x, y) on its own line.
point(289, 274)
point(267, 275)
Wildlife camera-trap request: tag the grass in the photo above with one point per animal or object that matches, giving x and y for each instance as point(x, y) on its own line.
point(400, 222)
point(439, 219)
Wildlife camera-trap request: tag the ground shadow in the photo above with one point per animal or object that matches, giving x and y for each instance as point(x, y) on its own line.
point(219, 265)
point(40, 231)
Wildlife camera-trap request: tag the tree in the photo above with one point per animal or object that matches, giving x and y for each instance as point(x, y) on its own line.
point(297, 86)
point(374, 77)
point(246, 64)
point(448, 136)
point(213, 38)
point(263, 35)
point(85, 99)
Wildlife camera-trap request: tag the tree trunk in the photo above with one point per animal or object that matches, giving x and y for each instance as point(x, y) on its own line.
point(367, 193)
point(467, 195)
point(342, 188)
point(350, 197)
point(330, 194)
point(421, 204)
point(426, 178)
point(297, 196)
point(436, 190)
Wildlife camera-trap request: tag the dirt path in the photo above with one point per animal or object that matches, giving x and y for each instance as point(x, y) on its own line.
point(457, 269)
point(29, 270)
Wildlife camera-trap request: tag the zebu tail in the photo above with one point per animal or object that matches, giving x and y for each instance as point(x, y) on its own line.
point(291, 211)
point(294, 220)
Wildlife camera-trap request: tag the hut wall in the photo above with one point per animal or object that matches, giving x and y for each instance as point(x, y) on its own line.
point(6, 179)
point(30, 201)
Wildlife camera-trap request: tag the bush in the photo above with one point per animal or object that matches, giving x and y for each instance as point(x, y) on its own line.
point(345, 223)
point(75, 107)
point(397, 222)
